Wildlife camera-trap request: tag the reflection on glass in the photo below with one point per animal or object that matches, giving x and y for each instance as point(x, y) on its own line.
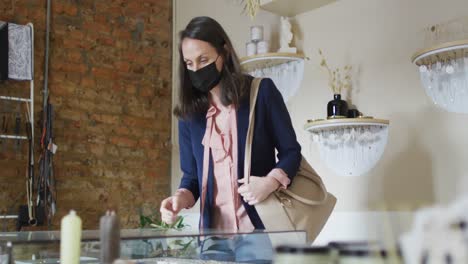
point(150, 246)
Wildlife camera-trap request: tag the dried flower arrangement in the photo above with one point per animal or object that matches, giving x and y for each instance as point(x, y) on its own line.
point(251, 7)
point(337, 80)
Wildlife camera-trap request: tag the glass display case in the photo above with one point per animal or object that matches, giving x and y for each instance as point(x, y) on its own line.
point(153, 246)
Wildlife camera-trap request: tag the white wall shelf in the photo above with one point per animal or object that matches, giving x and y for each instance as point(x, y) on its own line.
point(441, 52)
point(267, 60)
point(318, 125)
point(292, 8)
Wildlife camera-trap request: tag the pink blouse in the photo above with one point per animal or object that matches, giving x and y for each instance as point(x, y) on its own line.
point(228, 212)
point(221, 135)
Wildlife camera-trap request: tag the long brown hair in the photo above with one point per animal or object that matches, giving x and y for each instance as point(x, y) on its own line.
point(233, 82)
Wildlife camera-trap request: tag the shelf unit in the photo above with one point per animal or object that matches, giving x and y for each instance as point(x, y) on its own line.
point(29, 100)
point(339, 122)
point(441, 52)
point(260, 61)
point(292, 8)
point(30, 103)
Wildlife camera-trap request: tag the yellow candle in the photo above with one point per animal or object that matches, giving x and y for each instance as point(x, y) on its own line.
point(70, 239)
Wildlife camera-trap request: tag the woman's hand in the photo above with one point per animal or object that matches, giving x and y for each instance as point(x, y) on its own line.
point(171, 206)
point(257, 189)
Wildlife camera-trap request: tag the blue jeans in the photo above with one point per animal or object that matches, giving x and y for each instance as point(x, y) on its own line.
point(251, 248)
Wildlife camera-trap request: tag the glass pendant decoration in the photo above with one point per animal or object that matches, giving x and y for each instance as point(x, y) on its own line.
point(350, 146)
point(285, 69)
point(443, 66)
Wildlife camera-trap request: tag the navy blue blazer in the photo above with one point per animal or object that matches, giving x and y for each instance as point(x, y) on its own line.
point(273, 130)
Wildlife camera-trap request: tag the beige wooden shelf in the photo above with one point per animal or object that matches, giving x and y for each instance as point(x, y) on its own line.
point(328, 123)
point(268, 60)
point(441, 52)
point(291, 8)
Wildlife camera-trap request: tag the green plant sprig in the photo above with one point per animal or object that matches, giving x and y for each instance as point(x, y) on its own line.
point(148, 221)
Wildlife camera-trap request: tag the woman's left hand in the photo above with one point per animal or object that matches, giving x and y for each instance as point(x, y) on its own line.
point(257, 189)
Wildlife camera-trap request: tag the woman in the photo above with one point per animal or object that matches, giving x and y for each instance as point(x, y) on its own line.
point(213, 114)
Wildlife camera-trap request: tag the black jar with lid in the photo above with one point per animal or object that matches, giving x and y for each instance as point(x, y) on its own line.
point(337, 108)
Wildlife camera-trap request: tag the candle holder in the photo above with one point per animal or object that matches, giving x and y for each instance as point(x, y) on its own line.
point(256, 33)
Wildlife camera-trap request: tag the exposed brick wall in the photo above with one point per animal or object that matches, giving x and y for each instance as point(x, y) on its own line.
point(110, 81)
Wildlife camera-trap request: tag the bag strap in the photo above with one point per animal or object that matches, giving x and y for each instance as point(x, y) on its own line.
point(248, 143)
point(255, 86)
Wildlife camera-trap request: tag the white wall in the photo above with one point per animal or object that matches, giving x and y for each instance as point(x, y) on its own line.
point(425, 159)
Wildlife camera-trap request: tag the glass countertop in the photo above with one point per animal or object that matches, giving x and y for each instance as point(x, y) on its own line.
point(128, 234)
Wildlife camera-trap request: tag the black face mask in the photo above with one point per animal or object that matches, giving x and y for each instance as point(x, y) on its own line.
point(205, 78)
